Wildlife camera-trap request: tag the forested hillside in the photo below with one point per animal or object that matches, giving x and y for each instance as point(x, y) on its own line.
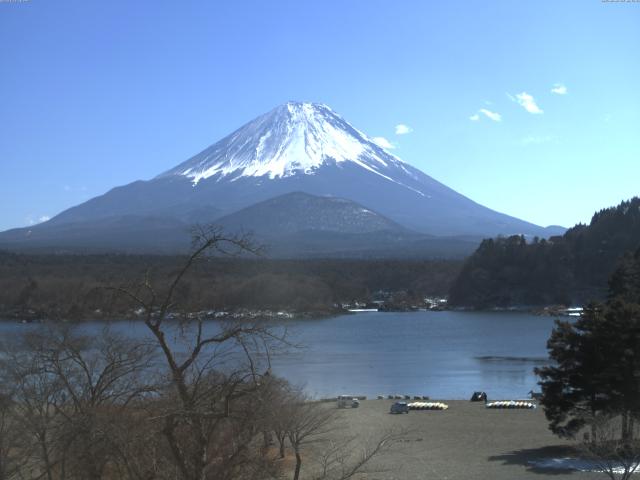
point(568, 269)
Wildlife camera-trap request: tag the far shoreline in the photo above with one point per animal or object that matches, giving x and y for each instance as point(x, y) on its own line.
point(32, 316)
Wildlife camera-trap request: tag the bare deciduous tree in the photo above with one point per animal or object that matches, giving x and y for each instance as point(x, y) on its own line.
point(614, 450)
point(72, 395)
point(343, 459)
point(35, 394)
point(213, 372)
point(314, 429)
point(11, 438)
point(308, 423)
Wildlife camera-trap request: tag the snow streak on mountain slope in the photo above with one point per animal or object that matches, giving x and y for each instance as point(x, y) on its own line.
point(295, 138)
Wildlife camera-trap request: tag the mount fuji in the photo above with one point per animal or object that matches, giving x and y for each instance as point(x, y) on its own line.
point(303, 148)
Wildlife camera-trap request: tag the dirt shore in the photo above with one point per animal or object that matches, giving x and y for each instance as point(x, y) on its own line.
point(467, 441)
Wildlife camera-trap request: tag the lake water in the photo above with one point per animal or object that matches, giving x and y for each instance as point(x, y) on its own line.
point(445, 355)
point(441, 354)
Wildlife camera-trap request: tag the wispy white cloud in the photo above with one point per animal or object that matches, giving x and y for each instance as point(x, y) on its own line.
point(528, 103)
point(475, 117)
point(32, 219)
point(559, 89)
point(537, 139)
point(402, 129)
point(383, 142)
point(496, 117)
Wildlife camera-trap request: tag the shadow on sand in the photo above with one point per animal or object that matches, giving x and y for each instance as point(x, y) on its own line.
point(526, 456)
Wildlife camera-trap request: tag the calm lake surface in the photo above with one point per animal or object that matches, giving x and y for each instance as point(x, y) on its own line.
point(445, 355)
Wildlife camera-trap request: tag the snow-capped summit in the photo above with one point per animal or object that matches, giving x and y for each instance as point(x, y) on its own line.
point(294, 138)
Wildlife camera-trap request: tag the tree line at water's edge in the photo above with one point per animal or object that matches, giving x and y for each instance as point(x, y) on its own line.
point(73, 287)
point(568, 269)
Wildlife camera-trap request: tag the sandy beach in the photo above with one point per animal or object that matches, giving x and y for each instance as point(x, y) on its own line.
point(467, 441)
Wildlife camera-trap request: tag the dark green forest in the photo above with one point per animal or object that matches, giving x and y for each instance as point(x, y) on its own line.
point(76, 286)
point(568, 269)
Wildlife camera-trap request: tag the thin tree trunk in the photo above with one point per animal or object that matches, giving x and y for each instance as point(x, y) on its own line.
point(45, 456)
point(203, 462)
point(282, 438)
point(296, 473)
point(594, 430)
point(624, 418)
point(2, 474)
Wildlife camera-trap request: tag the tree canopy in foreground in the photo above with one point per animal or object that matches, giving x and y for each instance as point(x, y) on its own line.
point(594, 385)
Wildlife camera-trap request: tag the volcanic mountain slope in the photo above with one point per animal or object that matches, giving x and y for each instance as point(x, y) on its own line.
point(297, 147)
point(301, 225)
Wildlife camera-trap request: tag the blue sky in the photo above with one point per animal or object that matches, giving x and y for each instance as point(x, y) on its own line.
point(99, 94)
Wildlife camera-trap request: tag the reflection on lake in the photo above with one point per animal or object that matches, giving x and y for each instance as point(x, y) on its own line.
point(441, 354)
